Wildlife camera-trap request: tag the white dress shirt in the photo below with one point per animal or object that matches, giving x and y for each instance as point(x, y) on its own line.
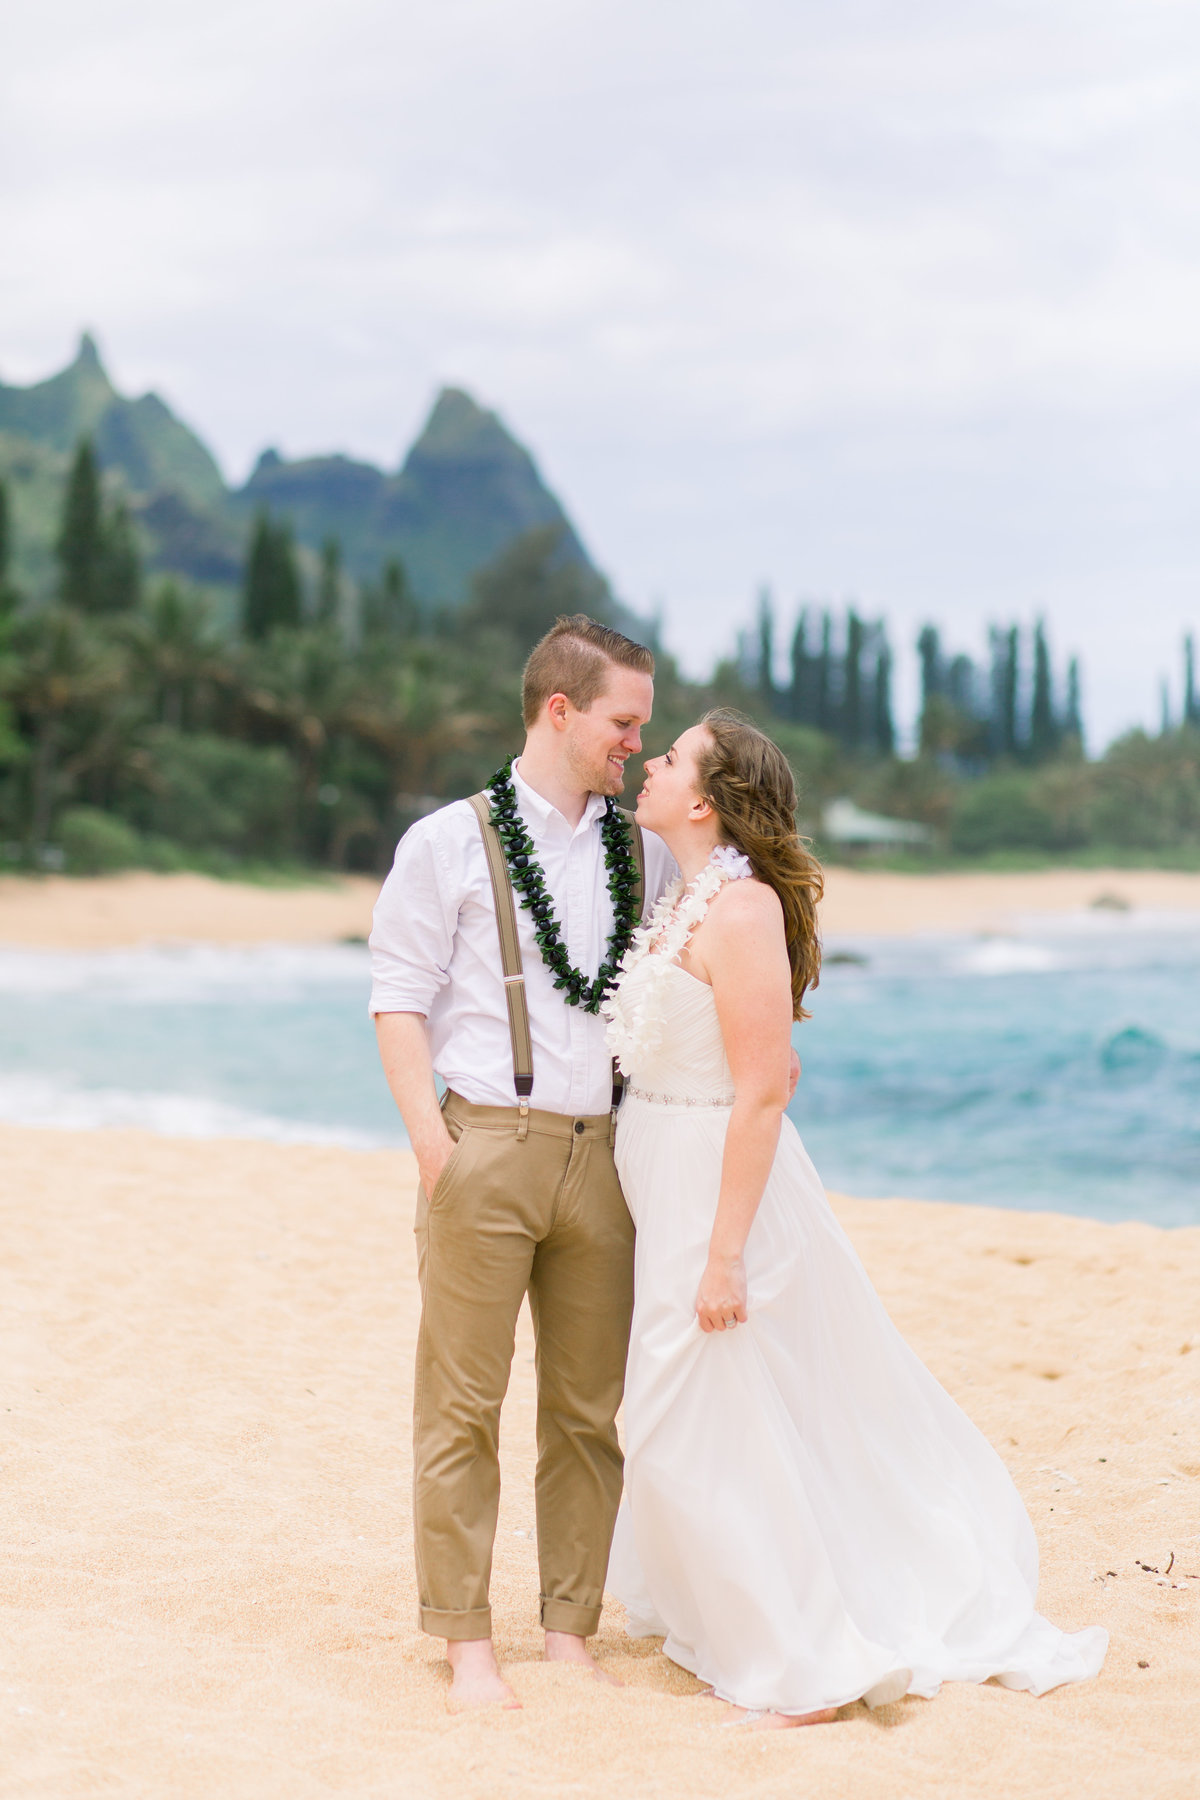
point(434, 950)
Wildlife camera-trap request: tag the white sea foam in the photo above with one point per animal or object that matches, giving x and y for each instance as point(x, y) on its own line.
point(1096, 938)
point(63, 1106)
point(173, 974)
point(1038, 944)
point(1007, 956)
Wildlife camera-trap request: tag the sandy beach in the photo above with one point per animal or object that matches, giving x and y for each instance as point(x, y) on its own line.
point(207, 1569)
point(114, 910)
point(207, 1364)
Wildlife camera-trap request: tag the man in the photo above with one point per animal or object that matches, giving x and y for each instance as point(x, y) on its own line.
point(513, 1198)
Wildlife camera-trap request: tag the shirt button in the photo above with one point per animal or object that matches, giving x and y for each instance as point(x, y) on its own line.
point(579, 1128)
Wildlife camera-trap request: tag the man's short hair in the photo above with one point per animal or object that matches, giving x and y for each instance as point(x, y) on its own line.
point(573, 659)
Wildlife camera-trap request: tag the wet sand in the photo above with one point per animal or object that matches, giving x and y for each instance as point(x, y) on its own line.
point(207, 1584)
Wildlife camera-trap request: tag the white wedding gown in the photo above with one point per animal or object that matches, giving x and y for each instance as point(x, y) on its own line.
point(809, 1518)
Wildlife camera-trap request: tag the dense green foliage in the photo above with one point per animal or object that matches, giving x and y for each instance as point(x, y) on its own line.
point(312, 733)
point(138, 727)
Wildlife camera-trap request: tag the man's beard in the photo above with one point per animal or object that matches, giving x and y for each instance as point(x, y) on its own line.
point(597, 774)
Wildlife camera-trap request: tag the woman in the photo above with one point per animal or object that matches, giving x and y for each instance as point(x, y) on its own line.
point(810, 1520)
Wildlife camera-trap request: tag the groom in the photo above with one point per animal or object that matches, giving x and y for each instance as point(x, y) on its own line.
point(517, 1196)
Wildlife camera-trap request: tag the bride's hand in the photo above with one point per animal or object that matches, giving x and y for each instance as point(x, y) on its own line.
point(721, 1295)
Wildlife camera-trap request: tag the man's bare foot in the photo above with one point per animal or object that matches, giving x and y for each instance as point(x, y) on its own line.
point(475, 1678)
point(565, 1647)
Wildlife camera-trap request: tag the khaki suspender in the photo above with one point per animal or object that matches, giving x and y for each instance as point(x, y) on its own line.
point(510, 957)
point(510, 950)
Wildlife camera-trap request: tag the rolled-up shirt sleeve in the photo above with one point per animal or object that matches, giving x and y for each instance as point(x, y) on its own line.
point(412, 933)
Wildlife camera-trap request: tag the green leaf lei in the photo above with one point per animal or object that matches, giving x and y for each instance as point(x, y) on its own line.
point(529, 884)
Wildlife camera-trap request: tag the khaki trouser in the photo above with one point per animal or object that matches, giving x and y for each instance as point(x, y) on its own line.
point(543, 1214)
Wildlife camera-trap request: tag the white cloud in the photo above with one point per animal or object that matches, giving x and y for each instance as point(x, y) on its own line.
point(898, 301)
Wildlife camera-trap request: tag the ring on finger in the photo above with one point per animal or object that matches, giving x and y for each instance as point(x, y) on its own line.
point(729, 1324)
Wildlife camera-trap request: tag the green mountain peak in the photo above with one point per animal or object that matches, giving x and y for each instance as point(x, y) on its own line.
point(466, 492)
point(457, 425)
point(88, 354)
point(168, 475)
point(59, 411)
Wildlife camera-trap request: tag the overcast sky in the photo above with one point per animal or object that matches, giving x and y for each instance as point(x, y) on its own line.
point(898, 302)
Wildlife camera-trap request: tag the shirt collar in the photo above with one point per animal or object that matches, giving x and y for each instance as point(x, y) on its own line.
point(544, 815)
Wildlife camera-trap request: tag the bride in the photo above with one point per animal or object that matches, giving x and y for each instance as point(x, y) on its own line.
point(809, 1518)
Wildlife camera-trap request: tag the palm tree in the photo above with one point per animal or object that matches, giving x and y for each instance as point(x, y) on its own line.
point(61, 666)
point(296, 687)
point(413, 712)
point(172, 650)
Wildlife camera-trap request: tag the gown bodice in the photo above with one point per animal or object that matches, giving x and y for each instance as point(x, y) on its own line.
point(674, 1050)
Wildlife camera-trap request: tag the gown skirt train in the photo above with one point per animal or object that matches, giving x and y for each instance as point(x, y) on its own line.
point(809, 1518)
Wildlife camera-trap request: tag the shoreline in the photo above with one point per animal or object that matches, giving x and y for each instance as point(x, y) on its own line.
point(116, 911)
point(209, 1586)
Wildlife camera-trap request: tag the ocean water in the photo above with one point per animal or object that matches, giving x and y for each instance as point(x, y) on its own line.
point(1056, 1068)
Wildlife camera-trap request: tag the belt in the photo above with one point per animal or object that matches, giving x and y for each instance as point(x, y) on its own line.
point(673, 1099)
point(522, 1119)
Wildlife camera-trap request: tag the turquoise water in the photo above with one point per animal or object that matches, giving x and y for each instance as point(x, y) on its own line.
point(1057, 1068)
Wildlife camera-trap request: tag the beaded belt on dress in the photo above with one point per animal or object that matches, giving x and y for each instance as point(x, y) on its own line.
point(672, 1099)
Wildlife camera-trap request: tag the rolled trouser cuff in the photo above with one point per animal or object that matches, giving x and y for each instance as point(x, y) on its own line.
point(457, 1625)
point(564, 1615)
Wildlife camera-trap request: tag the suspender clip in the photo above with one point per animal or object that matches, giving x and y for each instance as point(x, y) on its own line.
point(522, 1119)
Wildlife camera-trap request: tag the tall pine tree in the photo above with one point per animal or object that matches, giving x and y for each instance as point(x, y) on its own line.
point(1043, 725)
point(80, 545)
point(389, 606)
point(8, 592)
point(1003, 722)
point(799, 694)
point(1073, 716)
point(852, 721)
point(883, 727)
point(1012, 688)
point(766, 649)
point(929, 649)
point(824, 698)
point(119, 575)
point(271, 583)
point(329, 583)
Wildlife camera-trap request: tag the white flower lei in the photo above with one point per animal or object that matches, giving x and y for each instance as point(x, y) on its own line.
point(635, 1022)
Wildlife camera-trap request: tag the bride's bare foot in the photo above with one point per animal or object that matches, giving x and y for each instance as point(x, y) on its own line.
point(777, 1721)
point(475, 1677)
point(565, 1647)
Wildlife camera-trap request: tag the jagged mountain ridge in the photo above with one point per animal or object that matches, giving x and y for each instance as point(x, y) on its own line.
point(464, 491)
point(142, 438)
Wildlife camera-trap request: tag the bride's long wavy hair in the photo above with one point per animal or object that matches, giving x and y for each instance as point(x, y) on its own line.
point(747, 781)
